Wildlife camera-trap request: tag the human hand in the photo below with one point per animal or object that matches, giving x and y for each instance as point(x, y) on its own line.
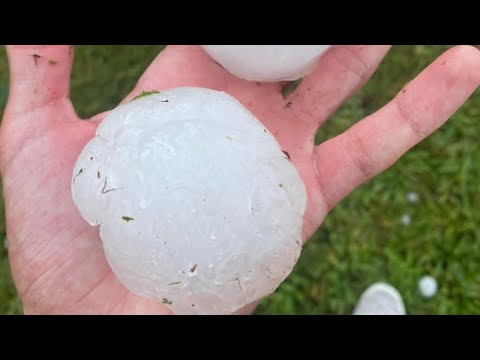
point(57, 259)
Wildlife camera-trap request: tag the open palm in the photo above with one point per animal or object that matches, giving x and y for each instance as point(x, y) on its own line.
point(57, 259)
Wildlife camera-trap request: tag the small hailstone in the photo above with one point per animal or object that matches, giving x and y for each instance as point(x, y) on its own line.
point(267, 63)
point(5, 243)
point(427, 286)
point(157, 158)
point(412, 197)
point(406, 219)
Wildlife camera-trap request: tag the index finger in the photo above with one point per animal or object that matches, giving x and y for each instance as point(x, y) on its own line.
point(378, 141)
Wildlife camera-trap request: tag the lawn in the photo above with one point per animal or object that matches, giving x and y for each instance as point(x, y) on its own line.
point(364, 239)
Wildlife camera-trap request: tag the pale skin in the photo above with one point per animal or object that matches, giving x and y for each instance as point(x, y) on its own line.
point(56, 258)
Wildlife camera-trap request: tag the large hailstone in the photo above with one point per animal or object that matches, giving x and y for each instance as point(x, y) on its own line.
point(267, 63)
point(198, 206)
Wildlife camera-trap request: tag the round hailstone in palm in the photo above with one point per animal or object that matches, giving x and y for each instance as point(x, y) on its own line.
point(198, 206)
point(267, 63)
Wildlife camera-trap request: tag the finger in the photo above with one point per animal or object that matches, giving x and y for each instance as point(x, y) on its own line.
point(375, 143)
point(180, 66)
point(39, 75)
point(97, 119)
point(340, 72)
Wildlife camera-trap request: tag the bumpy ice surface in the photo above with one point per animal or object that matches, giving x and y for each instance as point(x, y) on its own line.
point(267, 63)
point(197, 204)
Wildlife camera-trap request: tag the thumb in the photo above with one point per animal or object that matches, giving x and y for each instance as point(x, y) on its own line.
point(39, 75)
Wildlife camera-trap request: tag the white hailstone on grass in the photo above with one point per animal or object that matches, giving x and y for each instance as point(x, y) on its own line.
point(198, 206)
point(428, 286)
point(406, 219)
point(412, 197)
point(267, 63)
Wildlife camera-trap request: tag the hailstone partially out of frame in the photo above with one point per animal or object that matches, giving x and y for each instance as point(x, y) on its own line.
point(198, 207)
point(267, 63)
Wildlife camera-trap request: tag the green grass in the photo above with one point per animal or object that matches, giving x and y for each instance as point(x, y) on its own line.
point(363, 239)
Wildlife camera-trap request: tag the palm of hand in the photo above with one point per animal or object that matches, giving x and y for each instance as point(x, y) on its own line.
point(57, 259)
